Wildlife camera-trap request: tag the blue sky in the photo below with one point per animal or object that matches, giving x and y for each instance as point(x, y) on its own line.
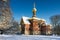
point(45, 8)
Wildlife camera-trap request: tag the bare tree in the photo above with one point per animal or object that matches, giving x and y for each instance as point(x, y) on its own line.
point(55, 21)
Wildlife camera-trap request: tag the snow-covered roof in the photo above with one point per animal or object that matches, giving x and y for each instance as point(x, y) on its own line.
point(38, 18)
point(43, 19)
point(25, 19)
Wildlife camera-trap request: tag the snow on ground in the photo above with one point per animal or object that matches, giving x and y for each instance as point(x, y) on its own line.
point(28, 37)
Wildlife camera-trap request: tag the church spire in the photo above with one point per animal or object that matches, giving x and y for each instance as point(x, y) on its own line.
point(34, 4)
point(34, 11)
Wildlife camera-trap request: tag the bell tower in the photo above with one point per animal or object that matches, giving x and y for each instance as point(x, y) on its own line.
point(34, 23)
